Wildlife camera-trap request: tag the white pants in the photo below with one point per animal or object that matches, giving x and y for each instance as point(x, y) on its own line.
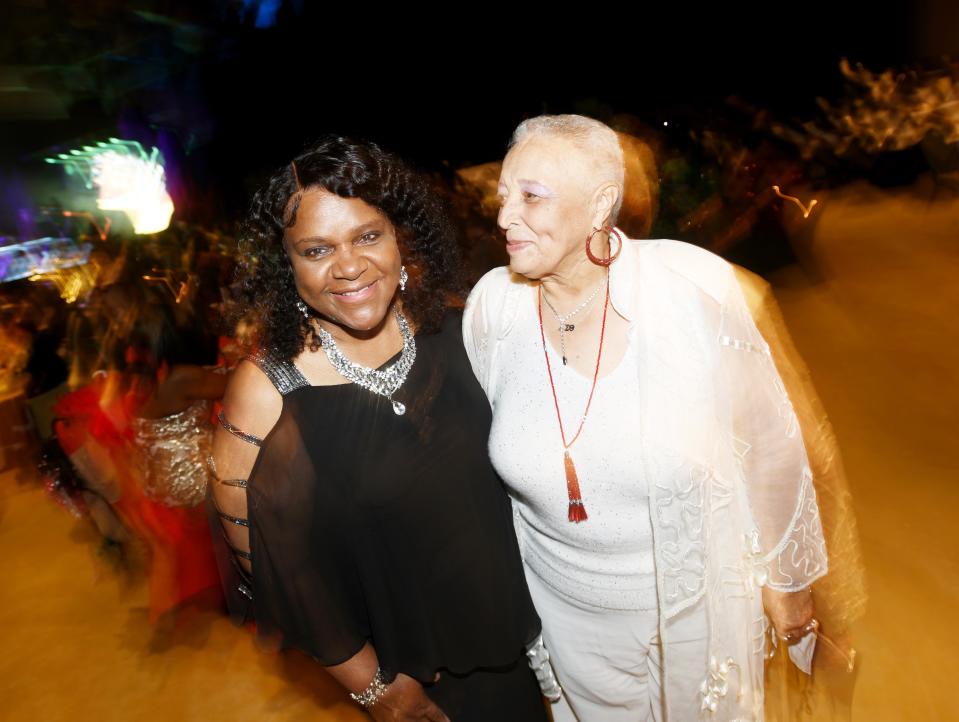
point(609, 663)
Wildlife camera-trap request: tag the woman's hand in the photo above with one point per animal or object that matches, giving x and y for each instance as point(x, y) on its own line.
point(405, 701)
point(791, 613)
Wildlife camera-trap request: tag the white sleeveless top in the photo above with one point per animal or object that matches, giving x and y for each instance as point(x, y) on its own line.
point(607, 560)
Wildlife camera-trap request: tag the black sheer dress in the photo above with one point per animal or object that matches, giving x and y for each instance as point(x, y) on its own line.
point(364, 525)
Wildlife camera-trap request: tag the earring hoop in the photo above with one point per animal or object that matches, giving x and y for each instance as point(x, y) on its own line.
point(609, 260)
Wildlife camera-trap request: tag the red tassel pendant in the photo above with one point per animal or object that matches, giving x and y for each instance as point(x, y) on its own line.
point(577, 511)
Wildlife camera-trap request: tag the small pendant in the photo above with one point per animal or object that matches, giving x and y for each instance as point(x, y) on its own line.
point(564, 360)
point(398, 408)
point(569, 327)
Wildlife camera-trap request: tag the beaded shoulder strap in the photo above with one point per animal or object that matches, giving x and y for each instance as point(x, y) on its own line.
point(284, 375)
point(232, 519)
point(238, 432)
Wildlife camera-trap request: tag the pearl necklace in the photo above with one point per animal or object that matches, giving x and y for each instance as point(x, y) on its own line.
point(386, 382)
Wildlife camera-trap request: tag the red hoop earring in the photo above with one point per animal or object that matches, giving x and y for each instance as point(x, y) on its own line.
point(604, 261)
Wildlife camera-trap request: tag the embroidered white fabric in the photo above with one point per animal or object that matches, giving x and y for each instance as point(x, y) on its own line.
point(732, 502)
point(539, 662)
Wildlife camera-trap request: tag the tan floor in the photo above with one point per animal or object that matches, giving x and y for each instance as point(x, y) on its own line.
point(873, 308)
point(76, 644)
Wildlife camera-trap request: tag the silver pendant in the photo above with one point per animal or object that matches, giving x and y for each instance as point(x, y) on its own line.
point(398, 408)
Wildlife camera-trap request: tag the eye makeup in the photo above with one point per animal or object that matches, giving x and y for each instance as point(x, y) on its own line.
point(536, 188)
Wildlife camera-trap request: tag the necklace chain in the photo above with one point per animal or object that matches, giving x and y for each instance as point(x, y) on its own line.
point(384, 383)
point(564, 324)
point(576, 511)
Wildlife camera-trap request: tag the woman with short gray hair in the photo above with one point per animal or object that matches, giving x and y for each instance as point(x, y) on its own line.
point(662, 496)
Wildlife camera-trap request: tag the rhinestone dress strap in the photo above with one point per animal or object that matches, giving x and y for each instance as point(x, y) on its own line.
point(233, 548)
point(284, 375)
point(230, 519)
point(211, 465)
point(238, 433)
point(239, 521)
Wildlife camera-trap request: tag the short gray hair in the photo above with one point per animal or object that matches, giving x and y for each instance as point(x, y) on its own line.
point(594, 138)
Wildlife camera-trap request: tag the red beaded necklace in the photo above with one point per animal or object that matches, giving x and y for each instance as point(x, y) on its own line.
point(577, 511)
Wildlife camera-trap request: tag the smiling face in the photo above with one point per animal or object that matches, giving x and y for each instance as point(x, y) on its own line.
point(548, 199)
point(345, 259)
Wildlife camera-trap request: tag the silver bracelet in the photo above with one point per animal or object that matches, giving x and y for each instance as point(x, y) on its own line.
point(374, 690)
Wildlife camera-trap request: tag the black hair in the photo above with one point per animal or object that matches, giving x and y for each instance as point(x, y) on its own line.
point(265, 293)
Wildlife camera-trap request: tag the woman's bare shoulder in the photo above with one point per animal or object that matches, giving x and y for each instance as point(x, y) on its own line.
point(251, 401)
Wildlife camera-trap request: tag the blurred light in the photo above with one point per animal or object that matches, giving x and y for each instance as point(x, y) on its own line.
point(806, 210)
point(135, 186)
point(128, 179)
point(71, 283)
point(102, 232)
point(883, 112)
point(169, 280)
point(41, 256)
point(265, 11)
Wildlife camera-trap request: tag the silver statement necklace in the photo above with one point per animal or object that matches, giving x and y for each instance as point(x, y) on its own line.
point(386, 382)
point(564, 325)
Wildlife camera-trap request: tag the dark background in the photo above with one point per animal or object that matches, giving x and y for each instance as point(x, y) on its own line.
point(229, 90)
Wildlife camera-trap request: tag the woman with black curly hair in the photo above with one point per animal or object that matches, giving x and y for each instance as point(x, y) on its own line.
point(364, 522)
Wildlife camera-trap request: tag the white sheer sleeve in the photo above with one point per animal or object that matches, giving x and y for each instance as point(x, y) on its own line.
point(481, 316)
point(788, 544)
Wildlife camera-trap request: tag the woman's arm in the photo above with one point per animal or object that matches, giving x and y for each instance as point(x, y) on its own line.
point(404, 699)
point(483, 318)
point(843, 591)
point(182, 386)
point(790, 613)
point(789, 547)
point(252, 407)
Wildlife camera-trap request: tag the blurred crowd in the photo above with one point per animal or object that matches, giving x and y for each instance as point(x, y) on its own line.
point(110, 370)
point(110, 389)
